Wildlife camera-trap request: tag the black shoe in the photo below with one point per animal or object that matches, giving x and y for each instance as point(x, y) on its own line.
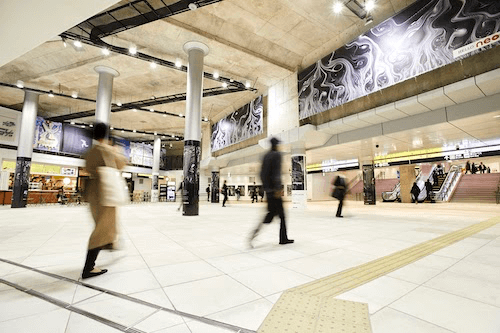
point(338, 216)
point(86, 275)
point(288, 241)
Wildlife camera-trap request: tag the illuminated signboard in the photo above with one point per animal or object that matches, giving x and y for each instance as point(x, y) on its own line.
point(333, 165)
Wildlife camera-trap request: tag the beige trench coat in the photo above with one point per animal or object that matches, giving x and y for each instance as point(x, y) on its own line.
point(104, 217)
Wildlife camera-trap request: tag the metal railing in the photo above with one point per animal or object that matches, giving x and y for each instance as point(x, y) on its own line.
point(449, 184)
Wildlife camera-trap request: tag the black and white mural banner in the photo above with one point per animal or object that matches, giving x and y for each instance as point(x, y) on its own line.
point(191, 186)
point(214, 188)
point(242, 124)
point(419, 39)
point(298, 173)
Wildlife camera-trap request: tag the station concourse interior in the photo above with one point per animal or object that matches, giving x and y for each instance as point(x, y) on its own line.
point(400, 99)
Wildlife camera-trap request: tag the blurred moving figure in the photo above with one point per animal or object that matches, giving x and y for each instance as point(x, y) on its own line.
point(339, 192)
point(254, 194)
point(104, 235)
point(224, 193)
point(181, 186)
point(238, 193)
point(271, 182)
point(415, 191)
point(208, 193)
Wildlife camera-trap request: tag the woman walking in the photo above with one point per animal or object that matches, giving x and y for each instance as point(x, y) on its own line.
point(100, 155)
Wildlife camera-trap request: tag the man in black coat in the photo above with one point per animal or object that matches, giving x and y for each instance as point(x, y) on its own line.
point(224, 193)
point(271, 182)
point(339, 193)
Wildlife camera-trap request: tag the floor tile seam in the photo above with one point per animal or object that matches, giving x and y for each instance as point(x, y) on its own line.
point(453, 240)
point(129, 298)
point(413, 316)
point(67, 306)
point(461, 296)
point(143, 319)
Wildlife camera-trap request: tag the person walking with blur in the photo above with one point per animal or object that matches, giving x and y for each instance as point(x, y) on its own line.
point(467, 167)
point(254, 194)
point(271, 182)
point(415, 191)
point(208, 193)
point(181, 186)
point(104, 235)
point(224, 193)
point(238, 193)
point(339, 192)
point(482, 167)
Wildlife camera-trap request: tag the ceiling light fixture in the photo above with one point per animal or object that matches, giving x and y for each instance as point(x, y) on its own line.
point(72, 123)
point(74, 94)
point(132, 50)
point(155, 133)
point(215, 75)
point(498, 116)
point(119, 103)
point(231, 80)
point(134, 131)
point(20, 84)
point(105, 52)
point(77, 43)
point(178, 63)
point(164, 115)
point(163, 137)
point(152, 64)
point(357, 8)
point(337, 7)
point(247, 84)
point(143, 133)
point(192, 6)
point(370, 5)
point(205, 119)
point(181, 115)
point(224, 84)
point(83, 126)
point(91, 125)
point(51, 94)
point(151, 110)
point(122, 131)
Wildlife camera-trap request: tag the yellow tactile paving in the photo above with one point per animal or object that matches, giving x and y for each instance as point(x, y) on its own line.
point(311, 308)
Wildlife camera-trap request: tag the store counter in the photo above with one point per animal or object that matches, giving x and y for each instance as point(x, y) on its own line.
point(42, 196)
point(5, 197)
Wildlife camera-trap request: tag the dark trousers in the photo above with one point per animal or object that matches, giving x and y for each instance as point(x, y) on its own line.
point(224, 201)
point(91, 258)
point(275, 207)
point(339, 208)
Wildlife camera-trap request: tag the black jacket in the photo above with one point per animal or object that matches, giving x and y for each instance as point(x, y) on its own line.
point(271, 171)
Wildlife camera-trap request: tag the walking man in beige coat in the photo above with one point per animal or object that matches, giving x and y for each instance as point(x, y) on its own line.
point(104, 234)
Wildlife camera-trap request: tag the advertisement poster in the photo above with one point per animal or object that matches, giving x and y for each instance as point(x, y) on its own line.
point(125, 146)
point(369, 184)
point(10, 122)
point(298, 173)
point(48, 135)
point(137, 153)
point(76, 140)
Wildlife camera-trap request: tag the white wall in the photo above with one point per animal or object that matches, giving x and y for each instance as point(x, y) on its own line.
point(26, 24)
point(283, 106)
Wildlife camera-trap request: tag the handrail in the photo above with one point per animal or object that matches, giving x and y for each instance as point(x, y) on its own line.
point(449, 183)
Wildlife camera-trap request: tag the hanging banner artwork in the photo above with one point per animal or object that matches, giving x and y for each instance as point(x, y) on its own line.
point(242, 124)
point(298, 173)
point(48, 135)
point(424, 36)
point(10, 121)
point(76, 140)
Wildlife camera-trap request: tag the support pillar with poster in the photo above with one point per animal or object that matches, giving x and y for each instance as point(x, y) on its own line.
point(299, 187)
point(214, 187)
point(369, 184)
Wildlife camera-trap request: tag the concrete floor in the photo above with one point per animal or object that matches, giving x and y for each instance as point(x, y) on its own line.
point(204, 267)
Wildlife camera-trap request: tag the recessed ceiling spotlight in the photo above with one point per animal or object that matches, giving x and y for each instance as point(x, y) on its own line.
point(497, 116)
point(163, 137)
point(83, 126)
point(105, 52)
point(143, 133)
point(172, 135)
point(132, 50)
point(192, 6)
point(224, 84)
point(134, 131)
point(171, 145)
point(164, 115)
point(51, 93)
point(72, 123)
point(155, 133)
point(205, 119)
point(216, 75)
point(369, 5)
point(153, 97)
point(337, 7)
point(151, 110)
point(176, 138)
point(181, 115)
point(20, 84)
point(119, 103)
point(231, 80)
point(152, 64)
point(122, 131)
point(178, 63)
point(247, 84)
point(74, 94)
point(111, 128)
point(77, 43)
point(135, 110)
point(91, 125)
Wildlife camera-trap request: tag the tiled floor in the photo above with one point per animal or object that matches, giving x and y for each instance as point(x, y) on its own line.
point(203, 266)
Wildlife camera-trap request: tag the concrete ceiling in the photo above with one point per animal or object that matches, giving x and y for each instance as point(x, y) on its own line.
point(261, 41)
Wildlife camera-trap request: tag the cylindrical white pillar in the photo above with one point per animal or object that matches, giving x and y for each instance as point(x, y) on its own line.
point(156, 169)
point(192, 135)
point(25, 150)
point(104, 93)
point(299, 177)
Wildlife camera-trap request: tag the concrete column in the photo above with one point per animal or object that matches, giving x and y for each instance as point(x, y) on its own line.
point(192, 135)
point(104, 93)
point(406, 178)
point(156, 169)
point(214, 186)
point(25, 150)
point(299, 180)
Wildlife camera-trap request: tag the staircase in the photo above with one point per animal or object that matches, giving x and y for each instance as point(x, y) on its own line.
point(439, 182)
point(479, 188)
